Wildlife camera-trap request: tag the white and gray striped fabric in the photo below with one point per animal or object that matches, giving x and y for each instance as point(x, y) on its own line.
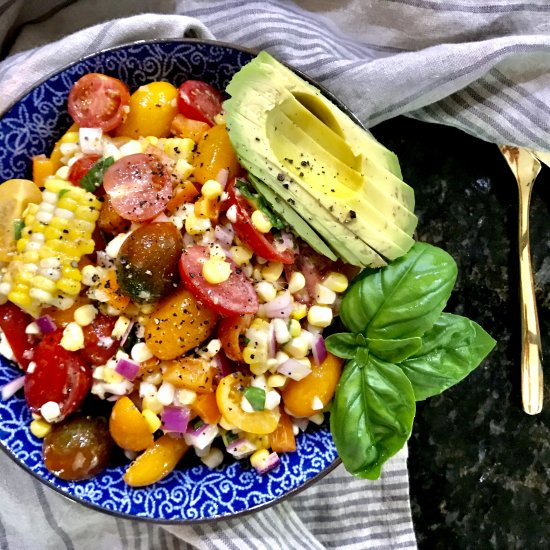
point(479, 66)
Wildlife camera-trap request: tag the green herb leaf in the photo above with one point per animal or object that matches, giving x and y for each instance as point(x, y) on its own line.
point(372, 414)
point(342, 344)
point(260, 204)
point(18, 226)
point(452, 349)
point(94, 177)
point(403, 299)
point(394, 351)
point(256, 397)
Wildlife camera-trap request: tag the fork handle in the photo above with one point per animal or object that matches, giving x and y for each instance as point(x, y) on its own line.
point(531, 356)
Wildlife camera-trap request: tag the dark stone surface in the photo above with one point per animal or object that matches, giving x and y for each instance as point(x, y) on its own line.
point(479, 466)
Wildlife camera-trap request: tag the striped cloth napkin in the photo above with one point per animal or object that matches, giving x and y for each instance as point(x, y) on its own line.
point(481, 67)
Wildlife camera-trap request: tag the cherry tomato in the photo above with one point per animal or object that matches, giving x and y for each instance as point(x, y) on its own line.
point(187, 128)
point(81, 167)
point(128, 426)
point(230, 332)
point(229, 397)
point(139, 186)
point(192, 373)
point(13, 322)
point(61, 376)
point(98, 101)
point(110, 221)
point(282, 440)
point(232, 297)
point(99, 347)
point(199, 101)
point(262, 244)
point(214, 153)
point(78, 449)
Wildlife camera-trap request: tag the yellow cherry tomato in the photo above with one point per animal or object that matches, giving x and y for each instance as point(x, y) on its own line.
point(298, 396)
point(229, 396)
point(214, 153)
point(14, 197)
point(128, 427)
point(156, 462)
point(152, 109)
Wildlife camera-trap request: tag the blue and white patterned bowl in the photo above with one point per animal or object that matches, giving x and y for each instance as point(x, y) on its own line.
point(194, 492)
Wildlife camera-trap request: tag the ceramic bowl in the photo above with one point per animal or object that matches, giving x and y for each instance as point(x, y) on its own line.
point(193, 492)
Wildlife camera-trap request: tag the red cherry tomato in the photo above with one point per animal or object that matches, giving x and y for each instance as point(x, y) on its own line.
point(232, 297)
point(61, 376)
point(139, 186)
point(230, 332)
point(81, 167)
point(199, 101)
point(98, 101)
point(99, 347)
point(262, 244)
point(13, 322)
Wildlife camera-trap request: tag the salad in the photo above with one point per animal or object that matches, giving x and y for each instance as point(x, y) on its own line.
point(160, 301)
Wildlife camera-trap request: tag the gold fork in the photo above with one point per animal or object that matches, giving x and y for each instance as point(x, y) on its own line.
point(526, 167)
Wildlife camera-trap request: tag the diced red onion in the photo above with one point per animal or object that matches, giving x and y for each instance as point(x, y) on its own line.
point(207, 434)
point(224, 235)
point(272, 342)
point(294, 369)
point(222, 177)
point(318, 349)
point(11, 388)
point(286, 242)
point(126, 333)
point(280, 307)
point(128, 369)
point(46, 324)
point(240, 448)
point(175, 419)
point(196, 432)
point(271, 462)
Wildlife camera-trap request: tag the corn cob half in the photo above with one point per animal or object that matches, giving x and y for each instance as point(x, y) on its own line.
point(57, 233)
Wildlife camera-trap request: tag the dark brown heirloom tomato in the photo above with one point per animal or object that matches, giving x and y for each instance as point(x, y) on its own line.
point(110, 220)
point(147, 263)
point(78, 449)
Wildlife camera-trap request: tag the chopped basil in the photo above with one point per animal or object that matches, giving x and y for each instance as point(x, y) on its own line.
point(198, 423)
point(94, 177)
point(260, 203)
point(256, 397)
point(18, 226)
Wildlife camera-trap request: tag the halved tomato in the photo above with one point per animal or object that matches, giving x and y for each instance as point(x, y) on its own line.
point(13, 322)
point(81, 167)
point(230, 332)
point(98, 101)
point(199, 101)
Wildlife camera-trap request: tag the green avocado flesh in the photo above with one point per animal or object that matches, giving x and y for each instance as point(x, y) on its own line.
point(337, 187)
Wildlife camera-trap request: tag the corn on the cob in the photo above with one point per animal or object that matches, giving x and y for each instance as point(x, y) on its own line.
point(57, 233)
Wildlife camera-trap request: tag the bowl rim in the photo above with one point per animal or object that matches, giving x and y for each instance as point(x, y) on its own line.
point(159, 521)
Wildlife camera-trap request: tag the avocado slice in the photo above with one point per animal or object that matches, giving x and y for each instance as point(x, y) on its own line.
point(320, 165)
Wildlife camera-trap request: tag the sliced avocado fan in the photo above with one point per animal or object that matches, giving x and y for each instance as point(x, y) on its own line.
point(333, 183)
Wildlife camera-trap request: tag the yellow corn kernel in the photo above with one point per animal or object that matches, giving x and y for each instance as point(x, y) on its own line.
point(319, 316)
point(259, 368)
point(69, 286)
point(43, 283)
point(73, 338)
point(294, 328)
point(196, 226)
point(298, 347)
point(153, 421)
point(337, 282)
point(259, 324)
point(296, 282)
point(153, 404)
point(183, 169)
point(261, 222)
point(111, 376)
point(20, 298)
point(40, 428)
point(299, 311)
point(276, 381)
point(249, 355)
point(272, 271)
point(258, 458)
point(212, 189)
point(85, 315)
point(216, 271)
point(70, 272)
point(240, 254)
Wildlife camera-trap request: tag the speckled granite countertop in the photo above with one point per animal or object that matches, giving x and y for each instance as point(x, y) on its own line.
point(479, 466)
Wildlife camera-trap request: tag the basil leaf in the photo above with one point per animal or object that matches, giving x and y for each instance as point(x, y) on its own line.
point(256, 397)
point(394, 351)
point(403, 299)
point(94, 176)
point(452, 349)
point(372, 414)
point(342, 344)
point(18, 226)
point(260, 203)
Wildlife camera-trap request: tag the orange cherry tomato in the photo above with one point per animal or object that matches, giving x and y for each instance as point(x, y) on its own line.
point(231, 331)
point(191, 373)
point(128, 427)
point(42, 167)
point(156, 462)
point(229, 396)
point(282, 440)
point(183, 193)
point(298, 396)
point(178, 325)
point(206, 406)
point(214, 153)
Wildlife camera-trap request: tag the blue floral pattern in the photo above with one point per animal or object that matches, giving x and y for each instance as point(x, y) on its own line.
point(193, 492)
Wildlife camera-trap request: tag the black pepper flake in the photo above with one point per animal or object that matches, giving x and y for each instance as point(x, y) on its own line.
point(281, 176)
